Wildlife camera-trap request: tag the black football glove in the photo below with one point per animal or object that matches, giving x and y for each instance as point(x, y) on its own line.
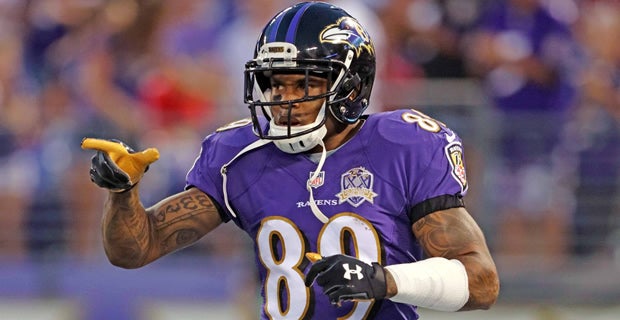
point(347, 278)
point(116, 166)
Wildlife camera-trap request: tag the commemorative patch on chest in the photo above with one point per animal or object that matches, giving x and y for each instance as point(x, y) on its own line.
point(454, 153)
point(356, 187)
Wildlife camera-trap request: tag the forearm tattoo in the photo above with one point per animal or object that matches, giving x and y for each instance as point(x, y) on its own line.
point(137, 236)
point(453, 234)
point(125, 229)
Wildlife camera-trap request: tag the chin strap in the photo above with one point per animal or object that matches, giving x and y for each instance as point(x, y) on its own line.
point(315, 209)
point(259, 143)
point(254, 145)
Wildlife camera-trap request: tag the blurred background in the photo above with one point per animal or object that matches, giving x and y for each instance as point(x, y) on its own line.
point(532, 87)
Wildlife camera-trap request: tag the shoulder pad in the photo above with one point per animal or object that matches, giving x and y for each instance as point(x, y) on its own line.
point(408, 126)
point(234, 125)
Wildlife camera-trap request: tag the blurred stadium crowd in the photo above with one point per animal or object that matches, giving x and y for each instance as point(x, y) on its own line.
point(166, 73)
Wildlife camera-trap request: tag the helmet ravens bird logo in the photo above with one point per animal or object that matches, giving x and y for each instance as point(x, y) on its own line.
point(348, 30)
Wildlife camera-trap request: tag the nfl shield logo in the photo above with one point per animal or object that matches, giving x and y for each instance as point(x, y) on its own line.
point(318, 181)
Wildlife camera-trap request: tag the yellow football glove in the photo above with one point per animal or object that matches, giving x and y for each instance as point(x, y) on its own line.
point(116, 166)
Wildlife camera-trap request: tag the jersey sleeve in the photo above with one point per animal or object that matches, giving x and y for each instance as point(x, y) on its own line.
point(441, 180)
point(216, 150)
point(426, 163)
point(204, 175)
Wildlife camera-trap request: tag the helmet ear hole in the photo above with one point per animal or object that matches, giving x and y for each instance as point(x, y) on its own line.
point(351, 83)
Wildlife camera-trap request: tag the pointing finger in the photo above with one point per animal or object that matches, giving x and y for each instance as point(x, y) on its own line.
point(103, 145)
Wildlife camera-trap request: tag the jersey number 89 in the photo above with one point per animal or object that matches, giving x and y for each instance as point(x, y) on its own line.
point(282, 269)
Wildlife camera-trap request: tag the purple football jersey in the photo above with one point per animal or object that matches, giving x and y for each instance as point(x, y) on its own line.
point(400, 166)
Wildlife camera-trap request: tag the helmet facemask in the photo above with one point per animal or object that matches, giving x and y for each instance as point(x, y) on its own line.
point(282, 58)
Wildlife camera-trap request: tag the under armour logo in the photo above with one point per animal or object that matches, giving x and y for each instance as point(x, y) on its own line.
point(357, 271)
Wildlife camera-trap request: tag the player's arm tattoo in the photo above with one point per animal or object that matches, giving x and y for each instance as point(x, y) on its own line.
point(453, 234)
point(134, 236)
point(184, 219)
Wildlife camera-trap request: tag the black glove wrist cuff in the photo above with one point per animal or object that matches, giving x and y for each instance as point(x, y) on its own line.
point(380, 288)
point(125, 190)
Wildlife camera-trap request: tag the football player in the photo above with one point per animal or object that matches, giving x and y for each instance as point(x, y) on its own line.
point(353, 216)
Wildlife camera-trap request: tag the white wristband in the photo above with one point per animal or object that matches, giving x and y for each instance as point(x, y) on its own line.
point(435, 283)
